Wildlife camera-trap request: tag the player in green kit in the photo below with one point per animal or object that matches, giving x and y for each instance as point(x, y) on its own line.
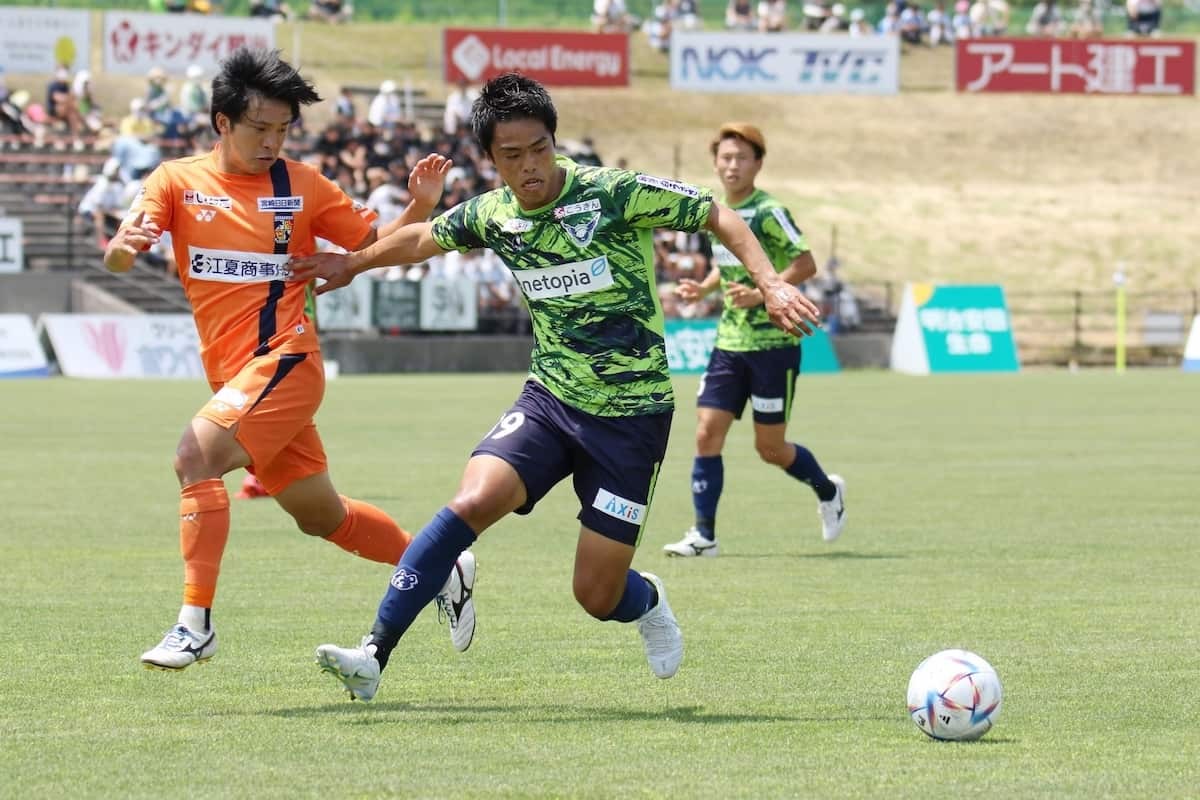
point(598, 402)
point(752, 360)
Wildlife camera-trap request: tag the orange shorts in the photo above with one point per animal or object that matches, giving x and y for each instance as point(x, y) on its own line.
point(272, 401)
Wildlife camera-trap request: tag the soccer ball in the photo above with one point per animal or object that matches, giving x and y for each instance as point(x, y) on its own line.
point(954, 695)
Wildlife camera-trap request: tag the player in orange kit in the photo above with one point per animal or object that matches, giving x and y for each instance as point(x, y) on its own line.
point(236, 215)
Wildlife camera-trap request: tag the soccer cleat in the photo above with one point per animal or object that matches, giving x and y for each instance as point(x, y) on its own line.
point(833, 512)
point(661, 636)
point(456, 602)
point(180, 648)
point(353, 666)
point(692, 544)
point(251, 488)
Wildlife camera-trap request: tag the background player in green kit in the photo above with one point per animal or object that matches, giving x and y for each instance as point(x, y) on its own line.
point(598, 401)
point(752, 360)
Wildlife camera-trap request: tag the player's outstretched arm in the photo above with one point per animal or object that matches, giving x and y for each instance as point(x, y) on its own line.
point(787, 307)
point(408, 245)
point(134, 236)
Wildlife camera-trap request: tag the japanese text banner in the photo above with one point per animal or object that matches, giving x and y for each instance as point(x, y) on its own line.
point(1077, 67)
point(133, 43)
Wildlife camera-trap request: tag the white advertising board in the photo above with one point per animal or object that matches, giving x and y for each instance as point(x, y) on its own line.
point(135, 42)
point(124, 345)
point(36, 41)
point(12, 251)
point(785, 63)
point(21, 356)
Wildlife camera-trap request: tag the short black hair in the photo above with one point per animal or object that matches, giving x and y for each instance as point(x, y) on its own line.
point(508, 97)
point(248, 72)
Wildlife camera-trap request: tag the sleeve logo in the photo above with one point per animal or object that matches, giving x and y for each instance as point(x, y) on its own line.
point(669, 185)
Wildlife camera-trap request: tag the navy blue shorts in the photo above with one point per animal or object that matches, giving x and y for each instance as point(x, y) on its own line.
point(615, 460)
point(767, 378)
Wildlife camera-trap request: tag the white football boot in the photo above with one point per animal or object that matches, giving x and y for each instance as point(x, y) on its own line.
point(180, 648)
point(692, 544)
point(355, 667)
point(833, 512)
point(661, 636)
point(456, 602)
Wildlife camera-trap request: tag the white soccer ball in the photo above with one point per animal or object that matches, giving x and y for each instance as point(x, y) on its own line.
point(954, 695)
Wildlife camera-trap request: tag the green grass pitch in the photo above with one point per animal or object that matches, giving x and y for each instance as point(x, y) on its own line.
point(1047, 521)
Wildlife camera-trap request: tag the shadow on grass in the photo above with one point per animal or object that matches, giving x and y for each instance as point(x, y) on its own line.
point(380, 713)
point(834, 555)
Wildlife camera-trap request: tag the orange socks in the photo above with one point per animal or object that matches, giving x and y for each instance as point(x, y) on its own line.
point(369, 533)
point(203, 531)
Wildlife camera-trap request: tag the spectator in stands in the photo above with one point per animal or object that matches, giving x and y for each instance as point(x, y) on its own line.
point(158, 100)
point(739, 15)
point(344, 106)
point(1087, 22)
point(890, 23)
point(353, 157)
point(193, 96)
point(836, 22)
point(138, 122)
point(937, 23)
point(458, 109)
point(859, 25)
point(386, 110)
point(104, 199)
point(274, 10)
point(60, 103)
point(658, 27)
point(1046, 20)
point(612, 16)
point(687, 15)
point(1143, 17)
point(989, 17)
point(390, 197)
point(136, 148)
point(85, 102)
point(585, 153)
point(334, 12)
point(772, 16)
point(11, 108)
point(912, 24)
point(960, 23)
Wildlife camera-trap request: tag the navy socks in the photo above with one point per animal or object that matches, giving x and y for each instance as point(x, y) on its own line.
point(806, 470)
point(639, 597)
point(708, 478)
point(420, 575)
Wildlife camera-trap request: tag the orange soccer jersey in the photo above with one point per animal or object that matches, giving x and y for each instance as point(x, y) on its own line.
point(232, 236)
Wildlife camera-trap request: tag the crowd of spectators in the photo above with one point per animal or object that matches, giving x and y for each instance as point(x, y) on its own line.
point(931, 22)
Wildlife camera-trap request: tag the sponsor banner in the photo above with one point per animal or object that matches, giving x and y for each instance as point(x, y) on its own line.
point(124, 345)
point(21, 356)
point(1191, 352)
point(449, 304)
point(135, 42)
point(36, 41)
point(785, 63)
point(348, 308)
point(1085, 66)
point(953, 329)
point(12, 248)
point(397, 305)
point(555, 58)
point(690, 343)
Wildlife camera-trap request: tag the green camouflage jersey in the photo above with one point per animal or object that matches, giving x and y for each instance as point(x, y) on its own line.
point(746, 329)
point(585, 264)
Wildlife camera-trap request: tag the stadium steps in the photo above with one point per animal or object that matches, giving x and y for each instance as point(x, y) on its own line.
point(147, 287)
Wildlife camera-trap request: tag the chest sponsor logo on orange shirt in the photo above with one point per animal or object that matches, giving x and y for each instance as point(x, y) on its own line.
point(236, 266)
point(192, 197)
point(273, 204)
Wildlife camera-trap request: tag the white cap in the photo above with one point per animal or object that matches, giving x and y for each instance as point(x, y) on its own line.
point(387, 87)
point(137, 104)
point(195, 71)
point(839, 10)
point(857, 15)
